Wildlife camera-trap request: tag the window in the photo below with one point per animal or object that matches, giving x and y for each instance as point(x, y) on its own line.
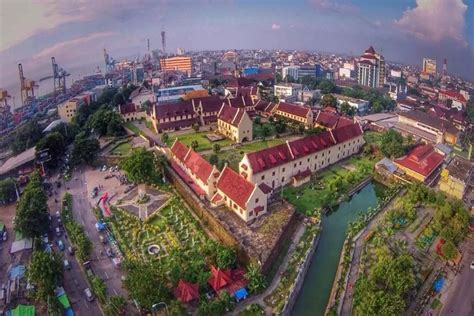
point(300, 163)
point(283, 179)
point(308, 160)
point(256, 200)
point(250, 213)
point(294, 166)
point(273, 173)
point(283, 170)
point(263, 177)
point(240, 211)
point(323, 155)
point(235, 206)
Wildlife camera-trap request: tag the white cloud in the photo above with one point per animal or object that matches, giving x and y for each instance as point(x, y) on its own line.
point(435, 20)
point(70, 46)
point(276, 26)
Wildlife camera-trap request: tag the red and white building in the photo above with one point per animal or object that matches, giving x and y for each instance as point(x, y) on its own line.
point(235, 124)
point(452, 98)
point(296, 113)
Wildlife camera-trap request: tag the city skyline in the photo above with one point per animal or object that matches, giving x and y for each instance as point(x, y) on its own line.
point(75, 33)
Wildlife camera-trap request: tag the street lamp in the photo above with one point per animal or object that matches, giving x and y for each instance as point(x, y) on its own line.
point(154, 307)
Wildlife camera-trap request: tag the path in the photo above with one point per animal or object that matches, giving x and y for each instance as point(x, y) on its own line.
point(358, 247)
point(276, 279)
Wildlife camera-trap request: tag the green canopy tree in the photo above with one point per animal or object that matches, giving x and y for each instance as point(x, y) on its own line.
point(392, 144)
point(85, 149)
point(194, 145)
point(328, 100)
point(255, 278)
point(327, 86)
point(449, 250)
point(141, 166)
point(26, 136)
point(7, 190)
point(55, 144)
point(106, 122)
point(347, 109)
point(226, 258)
point(45, 272)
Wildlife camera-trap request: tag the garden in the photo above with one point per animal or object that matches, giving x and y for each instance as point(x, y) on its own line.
point(330, 185)
point(203, 143)
point(122, 149)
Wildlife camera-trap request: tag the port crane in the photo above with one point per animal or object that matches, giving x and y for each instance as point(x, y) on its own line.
point(109, 62)
point(27, 87)
point(59, 78)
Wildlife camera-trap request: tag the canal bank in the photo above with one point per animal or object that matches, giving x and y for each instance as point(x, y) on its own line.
point(316, 289)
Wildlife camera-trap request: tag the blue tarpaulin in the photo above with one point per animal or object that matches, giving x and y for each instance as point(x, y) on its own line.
point(17, 272)
point(100, 225)
point(69, 312)
point(240, 294)
point(438, 284)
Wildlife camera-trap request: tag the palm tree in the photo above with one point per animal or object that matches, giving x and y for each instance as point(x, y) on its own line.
point(256, 279)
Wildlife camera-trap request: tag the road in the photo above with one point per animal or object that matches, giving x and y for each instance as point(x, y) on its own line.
point(460, 298)
point(84, 215)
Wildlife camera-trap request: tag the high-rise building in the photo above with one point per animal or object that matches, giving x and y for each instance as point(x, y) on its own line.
point(180, 63)
point(429, 66)
point(371, 69)
point(292, 71)
point(307, 71)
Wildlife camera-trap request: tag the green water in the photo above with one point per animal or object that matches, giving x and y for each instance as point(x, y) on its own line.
point(317, 286)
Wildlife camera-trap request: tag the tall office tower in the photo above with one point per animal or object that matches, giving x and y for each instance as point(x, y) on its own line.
point(429, 66)
point(371, 69)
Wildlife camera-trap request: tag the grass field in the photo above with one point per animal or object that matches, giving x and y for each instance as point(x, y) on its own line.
point(204, 143)
point(329, 185)
point(122, 149)
point(132, 127)
point(373, 137)
point(234, 156)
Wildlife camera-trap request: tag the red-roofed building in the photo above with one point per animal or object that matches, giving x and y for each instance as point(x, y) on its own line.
point(186, 291)
point(234, 123)
point(423, 163)
point(453, 99)
point(245, 198)
point(330, 121)
point(199, 171)
point(277, 166)
point(219, 278)
point(294, 112)
point(131, 112)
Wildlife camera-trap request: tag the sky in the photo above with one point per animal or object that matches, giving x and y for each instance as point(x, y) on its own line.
point(77, 31)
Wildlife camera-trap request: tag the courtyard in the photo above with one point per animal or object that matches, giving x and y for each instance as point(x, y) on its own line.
point(203, 142)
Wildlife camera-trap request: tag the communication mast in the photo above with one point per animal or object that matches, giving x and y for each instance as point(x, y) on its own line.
point(445, 67)
point(59, 78)
point(27, 87)
point(163, 42)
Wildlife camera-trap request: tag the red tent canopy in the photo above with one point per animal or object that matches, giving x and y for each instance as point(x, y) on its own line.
point(186, 291)
point(219, 278)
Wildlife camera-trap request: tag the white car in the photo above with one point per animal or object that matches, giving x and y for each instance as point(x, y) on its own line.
point(472, 265)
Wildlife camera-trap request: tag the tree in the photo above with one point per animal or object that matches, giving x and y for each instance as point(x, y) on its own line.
point(7, 191)
point(449, 250)
point(140, 166)
point(265, 131)
point(280, 126)
point(216, 148)
point(69, 131)
point(99, 288)
point(257, 120)
point(175, 307)
point(32, 219)
point(145, 283)
point(45, 272)
point(328, 100)
point(392, 144)
point(106, 122)
point(327, 86)
point(226, 258)
point(194, 145)
point(347, 109)
point(255, 278)
point(165, 138)
point(214, 160)
point(196, 127)
point(116, 305)
point(56, 146)
point(301, 128)
point(26, 136)
point(85, 149)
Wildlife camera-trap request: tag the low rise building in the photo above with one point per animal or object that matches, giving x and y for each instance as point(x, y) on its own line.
point(286, 90)
point(361, 106)
point(295, 113)
point(131, 112)
point(423, 163)
point(68, 109)
point(452, 99)
point(141, 95)
point(243, 197)
point(456, 177)
point(235, 124)
point(296, 160)
point(330, 121)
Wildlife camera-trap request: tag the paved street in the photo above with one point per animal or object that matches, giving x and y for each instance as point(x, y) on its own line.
point(460, 296)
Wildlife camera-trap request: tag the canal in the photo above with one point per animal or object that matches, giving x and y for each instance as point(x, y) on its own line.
point(318, 282)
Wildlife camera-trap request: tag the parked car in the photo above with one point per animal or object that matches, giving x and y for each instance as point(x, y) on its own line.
point(5, 236)
point(104, 168)
point(88, 294)
point(60, 245)
point(58, 231)
point(67, 266)
point(109, 252)
point(103, 239)
point(70, 250)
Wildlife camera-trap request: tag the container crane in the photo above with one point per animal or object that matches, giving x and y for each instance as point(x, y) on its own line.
point(59, 78)
point(27, 87)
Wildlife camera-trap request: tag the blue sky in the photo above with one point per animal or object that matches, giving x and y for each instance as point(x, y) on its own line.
point(75, 32)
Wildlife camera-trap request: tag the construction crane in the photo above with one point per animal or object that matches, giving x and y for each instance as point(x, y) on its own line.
point(27, 87)
point(163, 42)
point(109, 62)
point(4, 96)
point(59, 78)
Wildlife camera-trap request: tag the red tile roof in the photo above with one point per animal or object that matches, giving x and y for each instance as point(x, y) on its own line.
point(127, 108)
point(235, 186)
point(294, 109)
point(327, 119)
point(422, 159)
point(198, 165)
point(346, 133)
point(190, 182)
point(265, 188)
point(454, 95)
point(186, 291)
point(344, 121)
point(231, 115)
point(219, 278)
point(269, 158)
point(177, 124)
point(179, 150)
point(311, 144)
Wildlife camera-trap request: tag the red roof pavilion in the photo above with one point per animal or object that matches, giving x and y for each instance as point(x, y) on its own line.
point(186, 291)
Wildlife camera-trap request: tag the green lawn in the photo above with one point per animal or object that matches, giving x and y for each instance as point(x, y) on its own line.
point(204, 143)
point(132, 127)
point(329, 185)
point(235, 155)
point(373, 137)
point(122, 149)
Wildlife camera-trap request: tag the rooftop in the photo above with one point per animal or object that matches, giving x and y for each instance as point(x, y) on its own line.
point(423, 160)
point(460, 168)
point(18, 160)
point(294, 109)
point(235, 186)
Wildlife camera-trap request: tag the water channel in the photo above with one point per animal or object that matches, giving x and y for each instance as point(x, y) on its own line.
point(316, 289)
